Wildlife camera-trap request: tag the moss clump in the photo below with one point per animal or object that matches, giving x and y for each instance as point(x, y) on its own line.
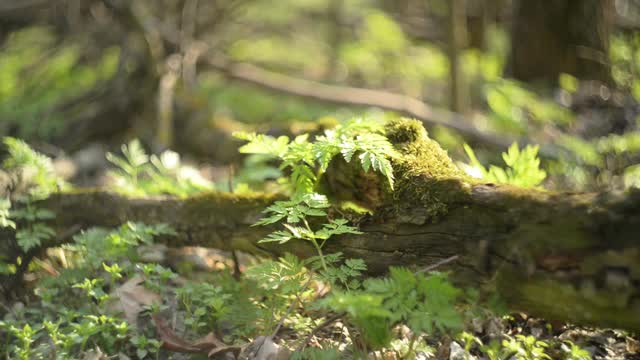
point(404, 131)
point(427, 180)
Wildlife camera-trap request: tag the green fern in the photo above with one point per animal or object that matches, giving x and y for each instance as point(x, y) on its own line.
point(367, 312)
point(5, 214)
point(138, 173)
point(36, 168)
point(426, 303)
point(340, 274)
point(523, 167)
point(308, 160)
point(37, 173)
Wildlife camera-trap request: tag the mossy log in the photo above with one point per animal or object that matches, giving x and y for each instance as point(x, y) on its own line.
point(563, 256)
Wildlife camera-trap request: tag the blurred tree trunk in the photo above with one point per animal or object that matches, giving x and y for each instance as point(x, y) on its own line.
point(334, 38)
point(562, 36)
point(478, 18)
point(457, 40)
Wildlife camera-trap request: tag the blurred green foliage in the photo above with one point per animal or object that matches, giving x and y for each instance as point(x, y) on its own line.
point(523, 167)
point(39, 73)
point(514, 108)
point(625, 61)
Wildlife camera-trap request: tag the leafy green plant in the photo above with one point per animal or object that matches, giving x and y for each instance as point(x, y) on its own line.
point(35, 232)
point(306, 161)
point(74, 311)
point(204, 305)
point(145, 346)
point(526, 347)
point(26, 335)
point(296, 212)
point(36, 170)
point(574, 352)
point(5, 207)
point(38, 177)
point(95, 246)
point(426, 303)
point(40, 73)
point(515, 109)
point(140, 174)
point(523, 167)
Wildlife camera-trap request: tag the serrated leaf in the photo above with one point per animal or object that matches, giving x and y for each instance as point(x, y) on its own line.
point(299, 232)
point(280, 237)
point(262, 144)
point(5, 221)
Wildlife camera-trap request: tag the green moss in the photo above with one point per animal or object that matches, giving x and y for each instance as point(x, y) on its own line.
point(427, 180)
point(404, 131)
point(562, 300)
point(224, 208)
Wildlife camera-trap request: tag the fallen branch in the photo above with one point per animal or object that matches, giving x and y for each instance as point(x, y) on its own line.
point(571, 257)
point(345, 95)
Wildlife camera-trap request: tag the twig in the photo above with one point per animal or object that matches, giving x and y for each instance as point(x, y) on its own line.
point(347, 95)
point(323, 325)
point(438, 264)
point(12, 5)
point(290, 309)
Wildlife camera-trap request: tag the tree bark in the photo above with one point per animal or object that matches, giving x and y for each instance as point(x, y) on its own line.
point(564, 36)
point(563, 256)
point(459, 96)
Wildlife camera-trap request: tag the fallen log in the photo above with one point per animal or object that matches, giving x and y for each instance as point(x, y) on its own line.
point(562, 256)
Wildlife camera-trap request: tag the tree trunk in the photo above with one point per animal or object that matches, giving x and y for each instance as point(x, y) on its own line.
point(457, 41)
point(562, 256)
point(563, 36)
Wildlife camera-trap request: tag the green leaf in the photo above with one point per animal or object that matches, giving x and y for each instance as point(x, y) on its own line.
point(336, 227)
point(280, 237)
point(262, 144)
point(34, 236)
point(5, 221)
point(523, 167)
point(41, 175)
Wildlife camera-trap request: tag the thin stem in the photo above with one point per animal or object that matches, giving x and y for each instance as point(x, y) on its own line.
point(324, 324)
point(290, 309)
point(319, 249)
point(316, 245)
point(411, 344)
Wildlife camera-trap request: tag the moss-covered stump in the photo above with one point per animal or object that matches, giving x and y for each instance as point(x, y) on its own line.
point(562, 256)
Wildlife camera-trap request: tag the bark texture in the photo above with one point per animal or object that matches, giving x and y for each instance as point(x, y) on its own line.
point(562, 256)
point(564, 36)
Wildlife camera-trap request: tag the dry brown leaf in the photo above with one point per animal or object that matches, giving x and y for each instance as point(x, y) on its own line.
point(95, 354)
point(264, 348)
point(131, 298)
point(209, 344)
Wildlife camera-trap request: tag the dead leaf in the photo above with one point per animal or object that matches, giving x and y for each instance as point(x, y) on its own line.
point(156, 253)
point(209, 344)
point(95, 354)
point(131, 298)
point(264, 348)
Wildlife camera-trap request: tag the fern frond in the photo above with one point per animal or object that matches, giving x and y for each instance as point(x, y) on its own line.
point(262, 144)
